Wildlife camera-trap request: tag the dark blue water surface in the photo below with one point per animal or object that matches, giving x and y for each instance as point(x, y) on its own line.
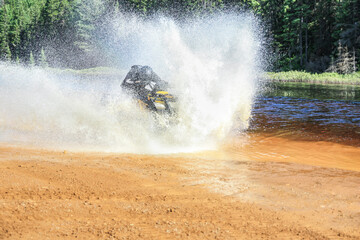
point(313, 116)
point(308, 110)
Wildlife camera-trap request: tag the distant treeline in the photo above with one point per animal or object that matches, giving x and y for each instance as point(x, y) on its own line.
point(317, 36)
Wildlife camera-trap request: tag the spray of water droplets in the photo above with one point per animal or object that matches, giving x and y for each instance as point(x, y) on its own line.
point(211, 64)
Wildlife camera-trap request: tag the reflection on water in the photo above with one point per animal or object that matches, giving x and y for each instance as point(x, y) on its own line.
point(314, 91)
point(297, 110)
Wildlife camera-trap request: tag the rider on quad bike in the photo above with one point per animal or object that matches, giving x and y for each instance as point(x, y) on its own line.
point(147, 87)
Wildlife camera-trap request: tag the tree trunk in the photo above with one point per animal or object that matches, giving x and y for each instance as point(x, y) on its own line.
point(301, 33)
point(306, 41)
point(354, 60)
point(301, 42)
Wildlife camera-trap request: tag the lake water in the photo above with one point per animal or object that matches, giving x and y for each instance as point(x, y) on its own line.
point(308, 111)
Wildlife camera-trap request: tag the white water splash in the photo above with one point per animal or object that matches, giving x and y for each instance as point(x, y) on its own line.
point(211, 65)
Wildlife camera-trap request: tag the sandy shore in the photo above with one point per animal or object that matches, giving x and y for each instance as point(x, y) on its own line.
point(66, 195)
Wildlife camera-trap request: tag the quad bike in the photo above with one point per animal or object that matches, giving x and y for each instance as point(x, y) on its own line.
point(150, 91)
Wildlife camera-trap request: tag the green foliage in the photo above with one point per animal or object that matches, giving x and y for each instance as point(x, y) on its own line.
point(87, 15)
point(305, 34)
point(5, 53)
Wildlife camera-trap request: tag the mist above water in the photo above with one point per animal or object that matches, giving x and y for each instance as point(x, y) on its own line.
point(211, 65)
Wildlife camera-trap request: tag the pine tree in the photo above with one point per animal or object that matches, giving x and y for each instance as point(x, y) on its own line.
point(88, 17)
point(43, 61)
point(344, 62)
point(31, 59)
point(5, 53)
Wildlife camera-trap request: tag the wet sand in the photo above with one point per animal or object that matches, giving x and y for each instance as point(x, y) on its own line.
point(274, 189)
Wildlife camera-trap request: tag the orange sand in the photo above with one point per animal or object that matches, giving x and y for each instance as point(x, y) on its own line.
point(215, 195)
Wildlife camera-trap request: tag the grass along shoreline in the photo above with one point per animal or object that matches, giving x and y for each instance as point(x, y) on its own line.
point(314, 78)
point(91, 72)
point(290, 76)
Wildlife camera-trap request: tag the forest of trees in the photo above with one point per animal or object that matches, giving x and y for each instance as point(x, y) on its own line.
point(311, 35)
